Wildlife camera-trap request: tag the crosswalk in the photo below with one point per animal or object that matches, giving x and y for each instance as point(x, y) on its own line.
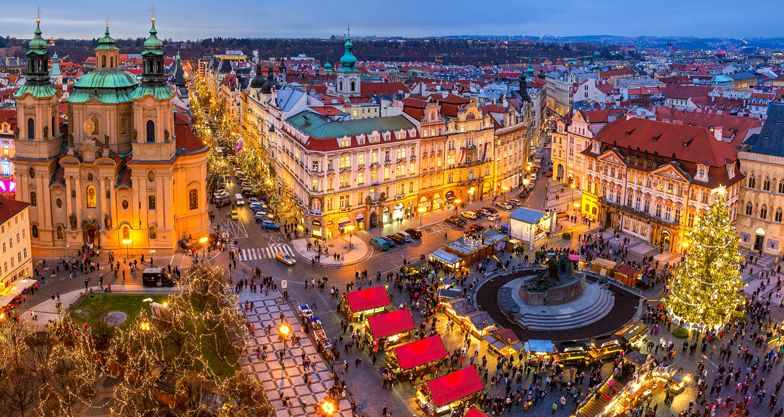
point(268, 252)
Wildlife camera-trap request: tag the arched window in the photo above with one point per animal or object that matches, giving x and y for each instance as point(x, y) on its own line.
point(766, 184)
point(34, 231)
point(764, 212)
point(91, 197)
point(126, 233)
point(749, 209)
point(60, 233)
point(193, 199)
point(111, 62)
point(151, 202)
point(340, 85)
point(30, 128)
point(150, 131)
point(777, 218)
point(103, 61)
point(353, 85)
point(752, 182)
point(781, 187)
point(33, 199)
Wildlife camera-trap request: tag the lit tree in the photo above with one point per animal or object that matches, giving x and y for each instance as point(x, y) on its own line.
point(705, 287)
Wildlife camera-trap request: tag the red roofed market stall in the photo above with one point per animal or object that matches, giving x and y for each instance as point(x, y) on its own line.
point(417, 358)
point(392, 327)
point(439, 396)
point(474, 412)
point(365, 302)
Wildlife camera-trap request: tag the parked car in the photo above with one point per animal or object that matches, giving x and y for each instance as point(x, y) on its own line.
point(391, 242)
point(399, 240)
point(235, 215)
point(483, 212)
point(247, 191)
point(405, 236)
point(266, 224)
point(456, 221)
point(415, 233)
point(254, 200)
point(474, 228)
point(379, 243)
point(468, 214)
point(514, 202)
point(493, 217)
point(285, 258)
point(549, 173)
point(222, 202)
point(239, 199)
point(260, 216)
point(491, 209)
point(504, 205)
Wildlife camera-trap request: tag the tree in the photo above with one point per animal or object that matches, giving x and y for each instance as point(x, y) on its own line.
point(705, 287)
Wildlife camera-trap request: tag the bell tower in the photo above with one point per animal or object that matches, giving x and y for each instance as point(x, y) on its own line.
point(348, 80)
point(107, 54)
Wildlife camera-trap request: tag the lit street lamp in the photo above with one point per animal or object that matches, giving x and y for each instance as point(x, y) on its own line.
point(283, 331)
point(504, 190)
point(457, 203)
point(328, 407)
point(203, 241)
point(421, 211)
point(350, 229)
point(127, 243)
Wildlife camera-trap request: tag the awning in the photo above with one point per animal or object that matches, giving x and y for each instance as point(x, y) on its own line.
point(455, 386)
point(367, 299)
point(14, 290)
point(474, 412)
point(392, 323)
point(343, 222)
point(360, 217)
point(427, 350)
point(445, 257)
point(449, 195)
point(539, 346)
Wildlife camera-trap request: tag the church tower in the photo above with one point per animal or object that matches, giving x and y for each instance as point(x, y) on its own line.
point(153, 111)
point(107, 54)
point(348, 78)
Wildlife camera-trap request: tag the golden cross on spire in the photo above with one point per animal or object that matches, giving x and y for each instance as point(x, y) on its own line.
point(38, 15)
point(152, 12)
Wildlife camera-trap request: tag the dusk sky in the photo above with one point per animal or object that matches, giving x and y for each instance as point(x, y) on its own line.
point(183, 19)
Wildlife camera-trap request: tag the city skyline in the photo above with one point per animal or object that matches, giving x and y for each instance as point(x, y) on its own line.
point(86, 19)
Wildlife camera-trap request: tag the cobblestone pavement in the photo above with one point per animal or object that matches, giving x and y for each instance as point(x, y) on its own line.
point(286, 377)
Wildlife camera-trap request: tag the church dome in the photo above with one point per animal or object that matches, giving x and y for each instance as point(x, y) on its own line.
point(106, 43)
point(152, 44)
point(106, 79)
point(348, 59)
point(38, 43)
point(258, 79)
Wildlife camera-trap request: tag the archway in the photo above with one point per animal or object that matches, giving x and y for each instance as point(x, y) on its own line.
point(373, 219)
point(560, 172)
point(91, 237)
point(759, 239)
point(664, 243)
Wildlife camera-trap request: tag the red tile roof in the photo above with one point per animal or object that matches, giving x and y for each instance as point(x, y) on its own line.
point(327, 110)
point(420, 352)
point(187, 141)
point(734, 128)
point(383, 89)
point(10, 208)
point(616, 73)
point(455, 386)
point(685, 92)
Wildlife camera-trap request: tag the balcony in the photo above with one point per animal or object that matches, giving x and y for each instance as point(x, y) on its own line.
point(374, 165)
point(412, 158)
point(345, 208)
point(315, 212)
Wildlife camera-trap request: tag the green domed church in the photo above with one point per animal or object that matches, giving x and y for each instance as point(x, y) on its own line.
point(121, 170)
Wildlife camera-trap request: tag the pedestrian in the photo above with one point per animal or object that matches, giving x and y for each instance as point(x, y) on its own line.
point(357, 362)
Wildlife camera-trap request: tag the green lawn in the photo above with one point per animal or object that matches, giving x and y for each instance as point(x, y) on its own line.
point(95, 306)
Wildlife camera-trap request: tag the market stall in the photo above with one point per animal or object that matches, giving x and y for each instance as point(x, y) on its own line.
point(474, 412)
point(390, 328)
point(504, 342)
point(539, 350)
point(474, 248)
point(15, 293)
point(603, 266)
point(416, 359)
point(363, 303)
point(478, 322)
point(446, 259)
point(441, 395)
point(633, 334)
point(627, 275)
point(530, 226)
point(647, 380)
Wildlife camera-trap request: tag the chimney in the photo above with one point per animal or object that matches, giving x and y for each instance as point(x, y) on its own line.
point(718, 133)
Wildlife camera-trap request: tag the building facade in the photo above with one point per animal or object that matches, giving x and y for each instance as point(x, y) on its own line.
point(125, 173)
point(651, 179)
point(17, 257)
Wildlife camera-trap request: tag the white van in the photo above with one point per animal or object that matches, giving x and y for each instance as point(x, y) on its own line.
point(239, 199)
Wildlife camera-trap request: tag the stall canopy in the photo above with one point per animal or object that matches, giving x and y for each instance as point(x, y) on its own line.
point(14, 289)
point(427, 350)
point(474, 412)
point(367, 299)
point(455, 386)
point(445, 257)
point(392, 323)
point(539, 346)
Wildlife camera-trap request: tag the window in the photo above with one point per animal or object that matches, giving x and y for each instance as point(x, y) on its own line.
point(690, 219)
point(193, 199)
point(677, 215)
point(781, 187)
point(91, 197)
point(764, 212)
point(766, 184)
point(60, 233)
point(777, 217)
point(749, 209)
point(752, 182)
point(34, 231)
point(150, 131)
point(6, 167)
point(151, 202)
point(33, 199)
point(103, 61)
point(126, 233)
point(30, 128)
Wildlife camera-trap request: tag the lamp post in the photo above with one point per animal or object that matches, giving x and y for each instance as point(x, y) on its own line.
point(505, 189)
point(327, 407)
point(421, 210)
point(203, 241)
point(127, 243)
point(350, 229)
point(283, 332)
point(457, 203)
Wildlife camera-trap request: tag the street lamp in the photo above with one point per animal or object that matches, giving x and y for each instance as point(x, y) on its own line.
point(505, 189)
point(283, 331)
point(145, 326)
point(328, 407)
point(350, 229)
point(421, 210)
point(457, 203)
point(127, 243)
point(203, 241)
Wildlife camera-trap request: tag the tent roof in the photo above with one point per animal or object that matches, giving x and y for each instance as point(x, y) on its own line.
point(527, 215)
point(392, 323)
point(367, 299)
point(420, 352)
point(455, 386)
point(475, 412)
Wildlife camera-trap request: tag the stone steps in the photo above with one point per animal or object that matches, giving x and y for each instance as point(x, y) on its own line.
point(590, 313)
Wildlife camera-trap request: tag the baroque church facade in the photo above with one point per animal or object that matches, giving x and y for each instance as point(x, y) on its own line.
point(122, 170)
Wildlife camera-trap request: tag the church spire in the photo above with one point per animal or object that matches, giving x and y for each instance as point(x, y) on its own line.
point(152, 55)
point(348, 59)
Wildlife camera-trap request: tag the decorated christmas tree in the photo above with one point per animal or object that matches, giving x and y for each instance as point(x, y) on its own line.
point(705, 287)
